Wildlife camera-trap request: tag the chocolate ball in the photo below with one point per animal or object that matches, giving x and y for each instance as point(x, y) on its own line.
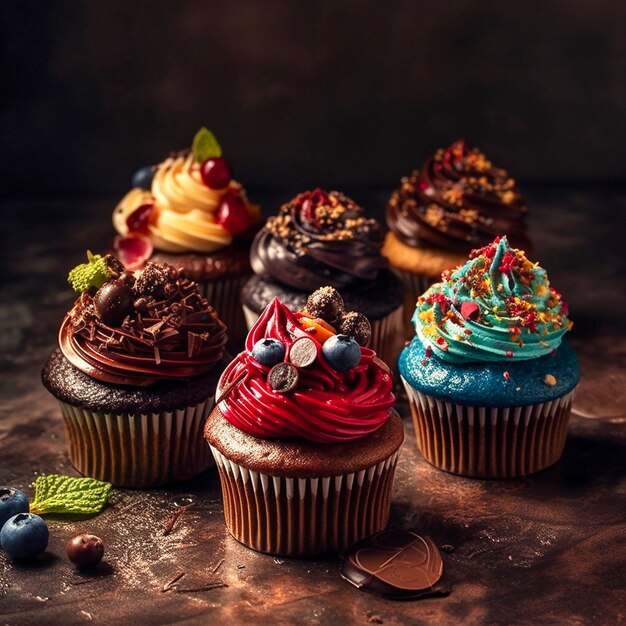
point(325, 303)
point(85, 550)
point(113, 302)
point(355, 325)
point(152, 280)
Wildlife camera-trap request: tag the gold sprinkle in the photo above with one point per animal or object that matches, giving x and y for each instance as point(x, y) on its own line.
point(550, 380)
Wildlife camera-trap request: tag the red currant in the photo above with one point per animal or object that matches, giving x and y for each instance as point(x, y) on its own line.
point(139, 219)
point(233, 214)
point(216, 173)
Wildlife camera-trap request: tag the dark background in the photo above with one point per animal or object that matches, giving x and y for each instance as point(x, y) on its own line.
point(340, 93)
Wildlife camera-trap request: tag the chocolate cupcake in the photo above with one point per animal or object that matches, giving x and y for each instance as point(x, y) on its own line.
point(456, 202)
point(489, 379)
point(189, 212)
point(323, 238)
point(305, 439)
point(135, 373)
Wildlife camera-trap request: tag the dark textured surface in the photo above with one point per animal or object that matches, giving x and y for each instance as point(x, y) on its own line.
point(375, 299)
point(549, 548)
point(335, 92)
point(71, 386)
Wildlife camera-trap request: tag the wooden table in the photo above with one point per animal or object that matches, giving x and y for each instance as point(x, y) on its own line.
point(544, 549)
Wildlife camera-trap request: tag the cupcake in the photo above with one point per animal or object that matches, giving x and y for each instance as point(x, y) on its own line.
point(490, 379)
point(323, 238)
point(456, 202)
point(135, 373)
point(305, 438)
point(189, 212)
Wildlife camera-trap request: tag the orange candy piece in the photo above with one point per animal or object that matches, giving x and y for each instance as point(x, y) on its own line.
point(317, 327)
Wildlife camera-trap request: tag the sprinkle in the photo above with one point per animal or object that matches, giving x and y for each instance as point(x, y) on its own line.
point(550, 380)
point(509, 354)
point(506, 375)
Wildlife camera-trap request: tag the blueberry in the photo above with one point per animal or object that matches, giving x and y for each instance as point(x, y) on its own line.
point(24, 536)
point(12, 502)
point(342, 352)
point(143, 177)
point(268, 351)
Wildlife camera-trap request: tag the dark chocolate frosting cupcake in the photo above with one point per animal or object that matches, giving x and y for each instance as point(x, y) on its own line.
point(324, 238)
point(135, 373)
point(458, 200)
point(318, 238)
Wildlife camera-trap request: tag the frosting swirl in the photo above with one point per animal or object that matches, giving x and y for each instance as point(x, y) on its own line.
point(496, 307)
point(326, 406)
point(168, 332)
point(184, 215)
point(318, 238)
point(458, 200)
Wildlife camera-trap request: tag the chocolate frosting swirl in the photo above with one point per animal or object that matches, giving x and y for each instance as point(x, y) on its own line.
point(318, 238)
point(167, 332)
point(458, 201)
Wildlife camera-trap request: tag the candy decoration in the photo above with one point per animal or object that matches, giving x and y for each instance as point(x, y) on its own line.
point(283, 378)
point(303, 352)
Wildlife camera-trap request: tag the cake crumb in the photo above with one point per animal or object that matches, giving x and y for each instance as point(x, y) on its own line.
point(550, 380)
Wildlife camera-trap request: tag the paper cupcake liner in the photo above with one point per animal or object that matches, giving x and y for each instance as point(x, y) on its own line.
point(224, 295)
point(304, 516)
point(486, 442)
point(414, 286)
point(387, 338)
point(138, 450)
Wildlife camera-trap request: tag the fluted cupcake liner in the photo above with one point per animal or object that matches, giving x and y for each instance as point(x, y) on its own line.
point(138, 450)
point(489, 442)
point(387, 338)
point(224, 295)
point(414, 286)
point(304, 516)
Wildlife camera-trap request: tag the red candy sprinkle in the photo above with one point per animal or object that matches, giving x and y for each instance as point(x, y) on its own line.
point(509, 354)
point(470, 310)
point(139, 219)
point(506, 375)
point(507, 263)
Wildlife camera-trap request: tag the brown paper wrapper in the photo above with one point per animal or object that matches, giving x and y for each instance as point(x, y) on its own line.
point(387, 336)
point(224, 295)
point(138, 450)
point(304, 516)
point(489, 442)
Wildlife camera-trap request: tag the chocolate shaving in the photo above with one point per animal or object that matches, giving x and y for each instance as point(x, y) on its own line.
point(209, 587)
point(171, 522)
point(229, 387)
point(168, 585)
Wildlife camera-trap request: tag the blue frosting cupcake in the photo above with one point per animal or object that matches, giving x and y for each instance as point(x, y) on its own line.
point(489, 378)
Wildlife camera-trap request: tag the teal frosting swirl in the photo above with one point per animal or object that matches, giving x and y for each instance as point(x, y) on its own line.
point(496, 307)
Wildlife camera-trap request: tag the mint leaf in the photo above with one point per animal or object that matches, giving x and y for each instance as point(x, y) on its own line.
point(65, 494)
point(205, 145)
point(94, 273)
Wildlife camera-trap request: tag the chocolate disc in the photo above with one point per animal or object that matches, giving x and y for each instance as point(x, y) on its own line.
point(283, 377)
point(395, 563)
point(303, 352)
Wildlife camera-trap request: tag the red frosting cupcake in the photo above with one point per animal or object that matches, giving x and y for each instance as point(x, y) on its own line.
point(305, 437)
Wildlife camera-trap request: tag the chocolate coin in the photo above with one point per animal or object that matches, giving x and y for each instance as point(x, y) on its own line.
point(283, 377)
point(303, 352)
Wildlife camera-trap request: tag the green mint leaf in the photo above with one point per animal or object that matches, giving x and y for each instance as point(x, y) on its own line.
point(205, 146)
point(65, 494)
point(94, 273)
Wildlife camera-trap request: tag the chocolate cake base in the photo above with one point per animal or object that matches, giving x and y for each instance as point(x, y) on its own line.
point(298, 498)
point(128, 436)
